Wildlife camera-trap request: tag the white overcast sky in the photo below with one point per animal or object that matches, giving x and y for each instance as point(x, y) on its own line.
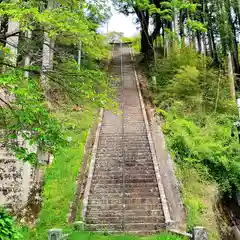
point(121, 23)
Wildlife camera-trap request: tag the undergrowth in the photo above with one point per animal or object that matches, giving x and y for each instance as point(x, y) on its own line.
point(8, 229)
point(199, 199)
point(194, 99)
point(60, 177)
point(97, 236)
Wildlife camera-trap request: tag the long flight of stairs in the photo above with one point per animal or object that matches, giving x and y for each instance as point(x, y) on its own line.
point(124, 195)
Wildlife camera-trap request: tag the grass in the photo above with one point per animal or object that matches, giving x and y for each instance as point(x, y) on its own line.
point(97, 236)
point(199, 198)
point(60, 177)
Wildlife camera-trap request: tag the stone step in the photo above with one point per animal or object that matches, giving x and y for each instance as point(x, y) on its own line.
point(142, 191)
point(120, 165)
point(135, 170)
point(104, 227)
point(126, 200)
point(98, 191)
point(127, 176)
point(101, 168)
point(105, 179)
point(136, 149)
point(107, 149)
point(110, 207)
point(129, 219)
point(149, 179)
point(127, 227)
point(126, 185)
point(119, 194)
point(138, 232)
point(146, 226)
point(135, 137)
point(127, 212)
point(110, 154)
point(127, 149)
point(127, 157)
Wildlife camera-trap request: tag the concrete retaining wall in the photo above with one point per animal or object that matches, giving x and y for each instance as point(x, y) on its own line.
point(20, 182)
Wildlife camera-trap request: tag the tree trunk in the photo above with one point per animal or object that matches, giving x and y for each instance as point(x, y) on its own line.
point(3, 30)
point(193, 40)
point(215, 54)
point(181, 26)
point(203, 21)
point(47, 62)
point(211, 38)
point(47, 58)
point(199, 42)
point(147, 47)
point(27, 59)
point(176, 28)
point(204, 43)
point(235, 45)
point(231, 76)
point(12, 41)
point(210, 45)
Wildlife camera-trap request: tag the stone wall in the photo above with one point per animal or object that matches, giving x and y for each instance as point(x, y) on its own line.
point(20, 182)
point(15, 180)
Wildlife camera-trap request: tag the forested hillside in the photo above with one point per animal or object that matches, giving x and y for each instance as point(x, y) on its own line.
point(53, 79)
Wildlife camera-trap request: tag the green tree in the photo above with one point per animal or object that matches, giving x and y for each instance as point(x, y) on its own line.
point(39, 43)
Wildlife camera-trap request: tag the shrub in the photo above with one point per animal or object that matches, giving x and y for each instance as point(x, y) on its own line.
point(210, 146)
point(7, 227)
point(200, 114)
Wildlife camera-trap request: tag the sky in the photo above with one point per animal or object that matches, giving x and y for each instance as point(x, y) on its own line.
point(121, 23)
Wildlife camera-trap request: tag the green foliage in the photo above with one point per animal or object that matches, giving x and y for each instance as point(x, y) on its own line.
point(68, 20)
point(136, 45)
point(200, 198)
point(211, 146)
point(97, 236)
point(28, 117)
point(196, 26)
point(200, 116)
point(8, 229)
point(28, 112)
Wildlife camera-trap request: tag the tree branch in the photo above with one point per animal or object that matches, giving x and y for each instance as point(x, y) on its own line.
point(7, 104)
point(20, 68)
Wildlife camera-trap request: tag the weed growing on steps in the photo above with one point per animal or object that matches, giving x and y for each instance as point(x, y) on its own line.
point(60, 177)
point(194, 99)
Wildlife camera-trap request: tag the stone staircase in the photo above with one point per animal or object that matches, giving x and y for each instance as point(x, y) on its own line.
point(124, 194)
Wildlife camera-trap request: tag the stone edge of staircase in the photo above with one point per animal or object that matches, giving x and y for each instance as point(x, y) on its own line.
point(91, 167)
point(94, 152)
point(168, 221)
point(178, 219)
